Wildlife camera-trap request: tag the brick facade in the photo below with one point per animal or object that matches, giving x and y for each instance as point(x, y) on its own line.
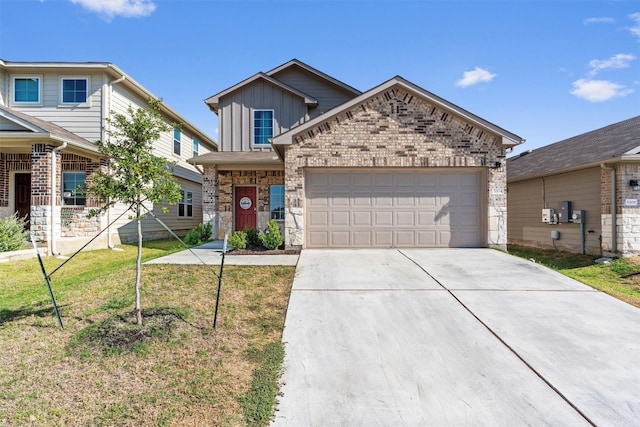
point(218, 195)
point(395, 129)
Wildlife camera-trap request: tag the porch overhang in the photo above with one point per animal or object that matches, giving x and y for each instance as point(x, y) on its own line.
point(236, 160)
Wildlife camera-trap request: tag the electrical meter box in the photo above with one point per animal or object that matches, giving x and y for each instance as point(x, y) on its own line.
point(564, 212)
point(548, 216)
point(578, 217)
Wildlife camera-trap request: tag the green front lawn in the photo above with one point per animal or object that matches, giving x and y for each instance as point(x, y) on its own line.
point(194, 375)
point(616, 279)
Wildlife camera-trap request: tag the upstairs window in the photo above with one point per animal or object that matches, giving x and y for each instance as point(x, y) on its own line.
point(185, 205)
point(74, 188)
point(74, 91)
point(262, 126)
point(196, 147)
point(177, 134)
point(26, 90)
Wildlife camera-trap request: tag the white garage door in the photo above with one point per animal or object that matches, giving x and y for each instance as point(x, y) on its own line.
point(354, 209)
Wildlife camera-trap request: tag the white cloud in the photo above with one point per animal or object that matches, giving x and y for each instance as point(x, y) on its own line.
point(599, 20)
point(620, 60)
point(635, 30)
point(124, 8)
point(478, 75)
point(598, 90)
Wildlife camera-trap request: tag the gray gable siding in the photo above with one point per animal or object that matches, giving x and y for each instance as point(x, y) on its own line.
point(327, 94)
point(235, 114)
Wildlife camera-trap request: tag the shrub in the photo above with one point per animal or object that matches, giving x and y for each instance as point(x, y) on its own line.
point(253, 236)
point(12, 233)
point(238, 240)
point(199, 234)
point(272, 238)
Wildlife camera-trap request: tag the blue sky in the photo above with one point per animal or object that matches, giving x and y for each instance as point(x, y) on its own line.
point(544, 70)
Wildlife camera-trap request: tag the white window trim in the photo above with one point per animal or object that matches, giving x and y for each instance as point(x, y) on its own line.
point(26, 76)
point(183, 201)
point(87, 102)
point(173, 141)
point(62, 202)
point(253, 126)
point(195, 142)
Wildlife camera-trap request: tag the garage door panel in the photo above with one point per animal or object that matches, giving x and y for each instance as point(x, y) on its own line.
point(394, 209)
point(340, 219)
point(362, 218)
point(340, 239)
point(383, 238)
point(405, 219)
point(318, 239)
point(362, 239)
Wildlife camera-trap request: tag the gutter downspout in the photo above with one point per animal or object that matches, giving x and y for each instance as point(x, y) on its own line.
point(54, 170)
point(107, 113)
point(614, 209)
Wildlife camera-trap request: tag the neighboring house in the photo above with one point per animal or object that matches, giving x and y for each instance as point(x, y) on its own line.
point(598, 172)
point(51, 113)
point(395, 166)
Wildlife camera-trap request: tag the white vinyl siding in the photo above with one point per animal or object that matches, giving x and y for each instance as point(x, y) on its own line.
point(85, 122)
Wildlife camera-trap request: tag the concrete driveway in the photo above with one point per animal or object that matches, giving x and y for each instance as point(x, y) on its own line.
point(454, 337)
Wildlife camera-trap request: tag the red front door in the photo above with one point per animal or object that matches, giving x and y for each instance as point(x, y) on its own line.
point(22, 196)
point(245, 207)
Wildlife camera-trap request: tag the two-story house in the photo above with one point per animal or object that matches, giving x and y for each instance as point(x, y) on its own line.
point(395, 166)
point(50, 116)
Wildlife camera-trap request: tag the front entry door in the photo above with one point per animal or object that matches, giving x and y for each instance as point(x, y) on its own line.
point(245, 206)
point(22, 193)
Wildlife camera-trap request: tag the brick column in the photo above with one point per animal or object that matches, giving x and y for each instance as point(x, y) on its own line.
point(41, 191)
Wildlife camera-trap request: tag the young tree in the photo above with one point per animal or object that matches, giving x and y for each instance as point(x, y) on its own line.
point(135, 176)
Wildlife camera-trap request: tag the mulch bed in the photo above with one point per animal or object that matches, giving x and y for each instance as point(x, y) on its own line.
point(253, 250)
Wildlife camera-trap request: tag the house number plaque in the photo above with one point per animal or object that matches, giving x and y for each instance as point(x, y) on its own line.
point(245, 203)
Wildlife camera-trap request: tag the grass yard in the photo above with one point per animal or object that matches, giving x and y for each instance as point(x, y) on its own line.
point(193, 376)
point(617, 279)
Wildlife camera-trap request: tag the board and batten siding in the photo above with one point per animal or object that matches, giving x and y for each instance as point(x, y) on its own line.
point(527, 198)
point(235, 114)
point(84, 120)
point(328, 94)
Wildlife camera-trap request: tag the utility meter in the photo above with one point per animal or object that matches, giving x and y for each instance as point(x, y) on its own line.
point(578, 217)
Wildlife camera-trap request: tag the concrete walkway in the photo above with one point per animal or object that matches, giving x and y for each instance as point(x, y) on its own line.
point(454, 338)
point(211, 254)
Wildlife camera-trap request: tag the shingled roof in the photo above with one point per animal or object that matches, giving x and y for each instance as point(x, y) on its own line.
point(601, 145)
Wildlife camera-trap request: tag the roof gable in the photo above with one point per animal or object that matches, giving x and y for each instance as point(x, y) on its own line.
point(214, 100)
point(601, 145)
point(294, 63)
point(444, 109)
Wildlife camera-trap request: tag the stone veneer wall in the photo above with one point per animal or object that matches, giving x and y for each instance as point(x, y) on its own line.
point(628, 217)
point(218, 195)
point(395, 129)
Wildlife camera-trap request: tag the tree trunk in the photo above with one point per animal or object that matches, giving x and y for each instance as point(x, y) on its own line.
point(138, 266)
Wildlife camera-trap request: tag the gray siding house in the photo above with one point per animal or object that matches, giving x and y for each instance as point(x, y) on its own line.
point(598, 173)
point(50, 115)
point(395, 166)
